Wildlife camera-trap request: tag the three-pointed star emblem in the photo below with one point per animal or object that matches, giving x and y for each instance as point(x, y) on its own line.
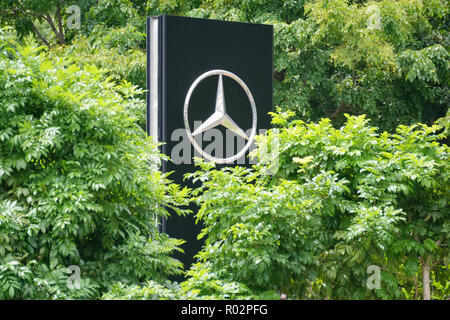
point(220, 116)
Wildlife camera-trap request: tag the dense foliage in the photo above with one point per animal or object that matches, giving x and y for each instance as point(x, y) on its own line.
point(202, 284)
point(79, 183)
point(341, 201)
point(112, 52)
point(386, 59)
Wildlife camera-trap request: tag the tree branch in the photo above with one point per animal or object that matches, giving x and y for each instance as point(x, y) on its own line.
point(49, 19)
point(59, 18)
point(338, 110)
point(40, 36)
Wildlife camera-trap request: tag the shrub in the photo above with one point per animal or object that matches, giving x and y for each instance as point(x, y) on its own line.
point(79, 183)
point(342, 200)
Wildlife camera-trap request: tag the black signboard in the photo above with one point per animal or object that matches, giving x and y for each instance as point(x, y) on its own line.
point(209, 92)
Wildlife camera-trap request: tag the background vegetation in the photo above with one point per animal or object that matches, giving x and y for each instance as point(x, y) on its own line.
point(362, 123)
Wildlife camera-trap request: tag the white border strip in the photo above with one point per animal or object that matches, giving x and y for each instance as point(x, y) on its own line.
point(154, 68)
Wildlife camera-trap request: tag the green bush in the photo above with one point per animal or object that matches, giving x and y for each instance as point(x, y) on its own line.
point(117, 51)
point(79, 183)
point(202, 284)
point(340, 201)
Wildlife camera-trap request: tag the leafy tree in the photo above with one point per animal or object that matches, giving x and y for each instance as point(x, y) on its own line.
point(48, 20)
point(25, 15)
point(390, 58)
point(113, 13)
point(117, 51)
point(386, 59)
point(341, 201)
point(175, 7)
point(78, 181)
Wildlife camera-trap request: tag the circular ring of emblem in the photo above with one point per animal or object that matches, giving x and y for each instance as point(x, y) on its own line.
point(220, 116)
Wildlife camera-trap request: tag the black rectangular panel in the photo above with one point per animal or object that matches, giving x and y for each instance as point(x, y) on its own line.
point(187, 49)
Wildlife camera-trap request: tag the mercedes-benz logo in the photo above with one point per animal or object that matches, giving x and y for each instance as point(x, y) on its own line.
point(220, 116)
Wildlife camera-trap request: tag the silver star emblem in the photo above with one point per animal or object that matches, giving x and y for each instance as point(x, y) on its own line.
point(220, 116)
